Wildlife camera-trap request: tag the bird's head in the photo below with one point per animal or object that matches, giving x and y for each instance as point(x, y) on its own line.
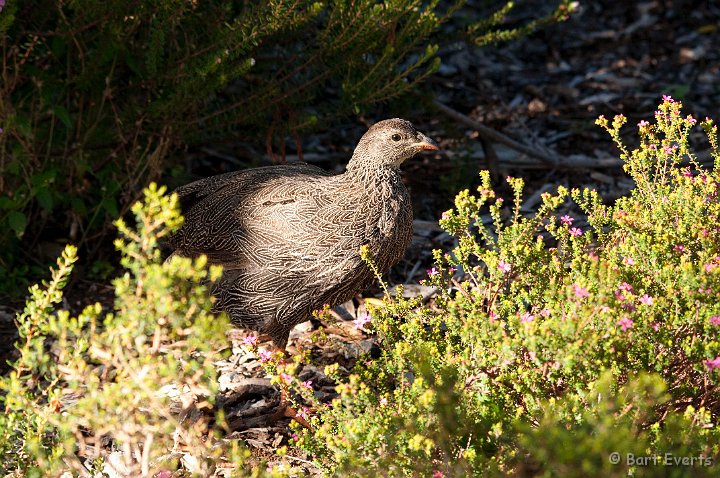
point(389, 143)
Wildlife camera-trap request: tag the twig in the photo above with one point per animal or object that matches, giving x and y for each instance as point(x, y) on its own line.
point(462, 290)
point(492, 135)
point(491, 157)
point(489, 134)
point(412, 272)
point(299, 459)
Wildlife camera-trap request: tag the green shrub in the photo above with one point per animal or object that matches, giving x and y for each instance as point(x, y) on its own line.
point(560, 346)
point(97, 94)
point(103, 382)
point(550, 350)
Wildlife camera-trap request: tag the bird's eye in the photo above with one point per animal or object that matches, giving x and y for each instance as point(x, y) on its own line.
point(396, 137)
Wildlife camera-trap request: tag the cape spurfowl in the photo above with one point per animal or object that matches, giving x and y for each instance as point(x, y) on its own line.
point(289, 236)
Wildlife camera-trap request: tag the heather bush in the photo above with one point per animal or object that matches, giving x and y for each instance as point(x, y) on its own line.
point(97, 94)
point(550, 347)
point(550, 350)
point(126, 389)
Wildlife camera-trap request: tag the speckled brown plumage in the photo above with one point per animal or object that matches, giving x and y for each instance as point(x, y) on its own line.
point(289, 236)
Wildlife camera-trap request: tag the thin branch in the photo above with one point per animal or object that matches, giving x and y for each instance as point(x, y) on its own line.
point(489, 134)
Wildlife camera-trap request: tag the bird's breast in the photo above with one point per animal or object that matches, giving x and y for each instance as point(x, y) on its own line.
point(389, 225)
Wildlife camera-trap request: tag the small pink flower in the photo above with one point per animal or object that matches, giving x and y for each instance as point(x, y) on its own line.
point(383, 402)
point(504, 267)
point(691, 120)
point(625, 287)
point(668, 98)
point(526, 318)
point(492, 316)
point(545, 312)
point(306, 384)
point(362, 321)
point(713, 364)
point(620, 296)
point(432, 272)
point(265, 355)
point(250, 340)
point(438, 474)
point(452, 270)
point(286, 377)
point(715, 320)
point(445, 215)
point(303, 413)
point(643, 124)
point(669, 149)
point(625, 323)
point(629, 261)
point(646, 299)
point(656, 326)
point(593, 256)
point(567, 220)
point(575, 231)
point(678, 248)
point(581, 292)
point(710, 267)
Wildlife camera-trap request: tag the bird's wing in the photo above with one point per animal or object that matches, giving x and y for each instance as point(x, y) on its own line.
point(193, 193)
point(251, 218)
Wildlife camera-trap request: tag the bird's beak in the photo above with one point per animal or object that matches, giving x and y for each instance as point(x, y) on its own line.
point(425, 143)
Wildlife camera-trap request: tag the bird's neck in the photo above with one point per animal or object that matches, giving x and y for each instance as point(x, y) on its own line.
point(362, 172)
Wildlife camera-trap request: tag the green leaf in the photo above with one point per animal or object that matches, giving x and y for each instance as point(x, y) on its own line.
point(63, 115)
point(6, 203)
point(18, 222)
point(44, 198)
point(78, 206)
point(110, 206)
point(23, 127)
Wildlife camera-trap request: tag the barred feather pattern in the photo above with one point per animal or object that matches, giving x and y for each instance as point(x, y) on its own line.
point(289, 236)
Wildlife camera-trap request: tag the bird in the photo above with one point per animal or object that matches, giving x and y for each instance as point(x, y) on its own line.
point(289, 236)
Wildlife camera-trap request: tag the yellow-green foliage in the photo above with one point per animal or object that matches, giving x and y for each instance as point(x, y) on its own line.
point(556, 347)
point(561, 345)
point(103, 380)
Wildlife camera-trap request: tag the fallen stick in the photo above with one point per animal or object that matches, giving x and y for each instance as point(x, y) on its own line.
point(557, 161)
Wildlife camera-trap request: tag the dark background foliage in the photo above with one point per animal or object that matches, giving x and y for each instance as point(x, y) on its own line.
point(98, 97)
